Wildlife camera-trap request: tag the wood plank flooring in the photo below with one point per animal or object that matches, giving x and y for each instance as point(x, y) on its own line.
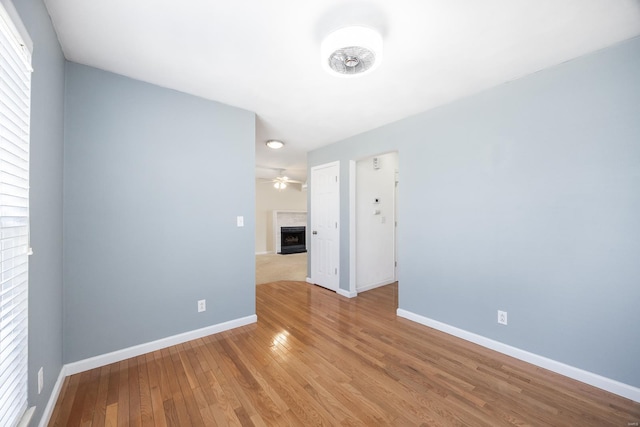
point(316, 358)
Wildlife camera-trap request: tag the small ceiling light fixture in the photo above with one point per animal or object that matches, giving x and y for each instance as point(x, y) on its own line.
point(275, 144)
point(351, 51)
point(279, 185)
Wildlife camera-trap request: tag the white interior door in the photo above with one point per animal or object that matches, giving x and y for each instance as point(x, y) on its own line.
point(325, 227)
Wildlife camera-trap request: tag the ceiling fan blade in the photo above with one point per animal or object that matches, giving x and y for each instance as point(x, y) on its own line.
point(280, 179)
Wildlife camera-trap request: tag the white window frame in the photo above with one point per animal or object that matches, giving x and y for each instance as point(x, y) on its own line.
point(15, 104)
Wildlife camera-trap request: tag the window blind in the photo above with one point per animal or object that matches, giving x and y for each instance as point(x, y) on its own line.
point(15, 88)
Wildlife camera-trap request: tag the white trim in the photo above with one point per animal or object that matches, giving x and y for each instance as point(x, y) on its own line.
point(265, 253)
point(339, 291)
point(308, 280)
point(352, 228)
point(613, 386)
point(137, 350)
point(15, 22)
point(53, 398)
point(348, 294)
point(117, 356)
point(26, 417)
point(375, 285)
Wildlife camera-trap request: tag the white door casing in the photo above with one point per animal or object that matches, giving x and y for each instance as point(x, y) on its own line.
point(325, 227)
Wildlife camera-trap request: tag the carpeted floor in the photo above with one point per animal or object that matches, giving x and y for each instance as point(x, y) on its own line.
point(274, 267)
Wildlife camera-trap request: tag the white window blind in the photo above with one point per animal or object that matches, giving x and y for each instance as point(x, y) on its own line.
point(15, 88)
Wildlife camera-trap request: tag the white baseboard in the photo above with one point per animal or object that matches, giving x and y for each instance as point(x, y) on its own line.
point(374, 285)
point(117, 356)
point(137, 350)
point(338, 290)
point(348, 294)
point(613, 386)
point(265, 253)
point(53, 398)
point(26, 417)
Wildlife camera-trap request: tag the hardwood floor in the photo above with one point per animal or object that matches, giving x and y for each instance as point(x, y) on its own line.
point(316, 358)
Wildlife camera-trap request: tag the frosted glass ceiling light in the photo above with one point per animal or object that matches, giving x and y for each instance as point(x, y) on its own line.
point(351, 51)
point(275, 144)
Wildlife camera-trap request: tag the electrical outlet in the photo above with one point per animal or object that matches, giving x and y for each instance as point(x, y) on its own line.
point(502, 317)
point(202, 305)
point(40, 379)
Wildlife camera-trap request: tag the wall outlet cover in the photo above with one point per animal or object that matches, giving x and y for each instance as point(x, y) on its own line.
point(502, 317)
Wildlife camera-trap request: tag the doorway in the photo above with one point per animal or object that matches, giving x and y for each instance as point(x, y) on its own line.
point(375, 221)
point(276, 208)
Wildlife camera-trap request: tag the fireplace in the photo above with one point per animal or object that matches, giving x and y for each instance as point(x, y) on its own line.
point(292, 240)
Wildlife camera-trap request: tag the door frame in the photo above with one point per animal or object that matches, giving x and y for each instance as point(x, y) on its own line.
point(352, 229)
point(353, 188)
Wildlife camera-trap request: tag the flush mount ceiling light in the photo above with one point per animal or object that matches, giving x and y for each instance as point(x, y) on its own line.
point(275, 144)
point(351, 51)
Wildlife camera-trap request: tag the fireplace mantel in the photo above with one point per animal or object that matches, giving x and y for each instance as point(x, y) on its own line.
point(286, 219)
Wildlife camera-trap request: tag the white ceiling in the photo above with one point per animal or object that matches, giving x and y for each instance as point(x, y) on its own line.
point(264, 56)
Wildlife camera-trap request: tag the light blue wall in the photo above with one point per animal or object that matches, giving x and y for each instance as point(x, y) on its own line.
point(524, 198)
point(154, 180)
point(45, 265)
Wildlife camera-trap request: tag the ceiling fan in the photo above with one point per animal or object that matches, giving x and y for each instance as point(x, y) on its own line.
point(281, 181)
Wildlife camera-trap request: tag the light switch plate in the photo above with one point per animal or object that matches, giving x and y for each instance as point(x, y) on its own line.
point(240, 221)
point(40, 379)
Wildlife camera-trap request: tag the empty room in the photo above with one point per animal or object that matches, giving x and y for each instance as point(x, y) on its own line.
point(459, 183)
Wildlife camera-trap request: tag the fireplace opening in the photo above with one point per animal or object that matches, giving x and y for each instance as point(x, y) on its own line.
point(292, 240)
